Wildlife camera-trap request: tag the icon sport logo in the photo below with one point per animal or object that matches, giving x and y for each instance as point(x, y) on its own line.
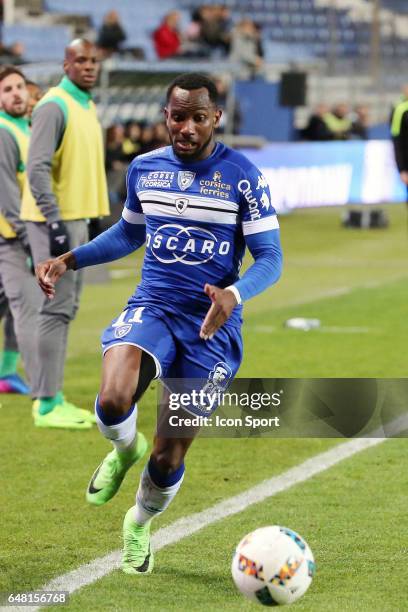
point(185, 179)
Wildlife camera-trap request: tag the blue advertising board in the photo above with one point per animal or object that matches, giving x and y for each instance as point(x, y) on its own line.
point(302, 175)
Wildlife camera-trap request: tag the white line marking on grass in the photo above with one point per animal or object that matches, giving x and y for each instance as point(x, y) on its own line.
point(122, 273)
point(329, 329)
point(182, 528)
point(339, 291)
point(337, 329)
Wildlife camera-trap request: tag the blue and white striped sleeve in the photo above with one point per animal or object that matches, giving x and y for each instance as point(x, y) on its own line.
point(260, 227)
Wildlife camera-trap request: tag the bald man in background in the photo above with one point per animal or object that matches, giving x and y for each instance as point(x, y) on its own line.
point(67, 178)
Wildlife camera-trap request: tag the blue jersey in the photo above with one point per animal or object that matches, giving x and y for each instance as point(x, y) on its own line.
point(197, 216)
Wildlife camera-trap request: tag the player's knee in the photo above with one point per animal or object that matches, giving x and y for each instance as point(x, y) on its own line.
point(167, 462)
point(114, 402)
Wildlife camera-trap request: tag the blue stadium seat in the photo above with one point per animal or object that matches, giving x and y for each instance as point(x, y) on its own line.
point(42, 43)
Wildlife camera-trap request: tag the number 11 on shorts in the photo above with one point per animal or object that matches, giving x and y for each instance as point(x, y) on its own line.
point(136, 318)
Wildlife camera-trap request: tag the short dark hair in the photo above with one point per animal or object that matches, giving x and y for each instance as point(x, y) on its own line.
point(8, 69)
point(194, 80)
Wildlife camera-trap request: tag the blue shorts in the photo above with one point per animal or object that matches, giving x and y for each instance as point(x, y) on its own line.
point(173, 340)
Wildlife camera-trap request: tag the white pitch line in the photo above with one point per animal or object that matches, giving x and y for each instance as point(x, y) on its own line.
point(182, 528)
point(329, 329)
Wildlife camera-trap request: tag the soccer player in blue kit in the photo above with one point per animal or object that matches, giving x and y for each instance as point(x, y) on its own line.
point(196, 205)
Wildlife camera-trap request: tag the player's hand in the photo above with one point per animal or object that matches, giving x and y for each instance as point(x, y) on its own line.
point(50, 271)
point(223, 303)
point(404, 177)
point(59, 239)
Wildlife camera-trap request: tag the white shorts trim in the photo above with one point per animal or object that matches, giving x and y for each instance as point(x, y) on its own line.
point(142, 348)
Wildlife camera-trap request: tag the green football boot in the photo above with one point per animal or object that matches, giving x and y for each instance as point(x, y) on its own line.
point(58, 418)
point(70, 411)
point(137, 553)
point(86, 415)
point(108, 476)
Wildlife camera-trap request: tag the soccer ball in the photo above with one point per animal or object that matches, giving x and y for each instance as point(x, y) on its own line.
point(273, 565)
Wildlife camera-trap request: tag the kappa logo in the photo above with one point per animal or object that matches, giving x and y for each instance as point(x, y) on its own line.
point(185, 179)
point(122, 330)
point(265, 200)
point(217, 176)
point(181, 205)
point(262, 182)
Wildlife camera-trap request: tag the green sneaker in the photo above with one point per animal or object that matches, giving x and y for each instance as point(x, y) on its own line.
point(71, 411)
point(59, 419)
point(85, 415)
point(137, 553)
point(108, 476)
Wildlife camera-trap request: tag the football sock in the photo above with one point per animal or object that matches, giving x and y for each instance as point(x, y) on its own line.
point(47, 404)
point(121, 431)
point(156, 491)
point(8, 363)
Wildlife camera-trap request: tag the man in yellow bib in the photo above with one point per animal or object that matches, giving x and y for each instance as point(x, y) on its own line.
point(17, 284)
point(10, 381)
point(67, 179)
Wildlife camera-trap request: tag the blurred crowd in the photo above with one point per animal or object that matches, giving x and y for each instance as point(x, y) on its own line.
point(210, 33)
point(337, 123)
point(123, 143)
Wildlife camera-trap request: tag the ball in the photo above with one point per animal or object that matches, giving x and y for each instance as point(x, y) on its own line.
point(273, 566)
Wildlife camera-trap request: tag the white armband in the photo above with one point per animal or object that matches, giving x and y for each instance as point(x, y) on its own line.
point(235, 292)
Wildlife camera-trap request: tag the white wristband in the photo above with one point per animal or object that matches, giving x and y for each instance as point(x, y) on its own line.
point(235, 292)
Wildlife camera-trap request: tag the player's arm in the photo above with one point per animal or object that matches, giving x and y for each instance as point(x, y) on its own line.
point(266, 250)
point(9, 188)
point(116, 242)
point(261, 232)
point(48, 128)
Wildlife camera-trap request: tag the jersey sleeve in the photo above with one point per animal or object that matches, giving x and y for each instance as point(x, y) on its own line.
point(256, 211)
point(132, 211)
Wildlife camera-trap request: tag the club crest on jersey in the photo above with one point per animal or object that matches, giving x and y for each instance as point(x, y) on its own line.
point(181, 205)
point(122, 330)
point(217, 176)
point(185, 179)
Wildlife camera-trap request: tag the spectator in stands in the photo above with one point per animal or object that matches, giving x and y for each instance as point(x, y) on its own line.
point(115, 136)
point(115, 162)
point(338, 122)
point(360, 122)
point(245, 48)
point(147, 139)
point(111, 34)
point(317, 128)
point(160, 136)
point(167, 38)
point(225, 124)
point(13, 54)
point(194, 40)
point(131, 145)
point(215, 26)
point(193, 30)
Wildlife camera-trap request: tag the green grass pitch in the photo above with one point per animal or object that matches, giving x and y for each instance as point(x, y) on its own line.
point(353, 515)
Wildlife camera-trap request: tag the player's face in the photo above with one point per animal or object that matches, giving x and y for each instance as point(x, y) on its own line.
point(191, 119)
point(14, 95)
point(34, 95)
point(82, 66)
